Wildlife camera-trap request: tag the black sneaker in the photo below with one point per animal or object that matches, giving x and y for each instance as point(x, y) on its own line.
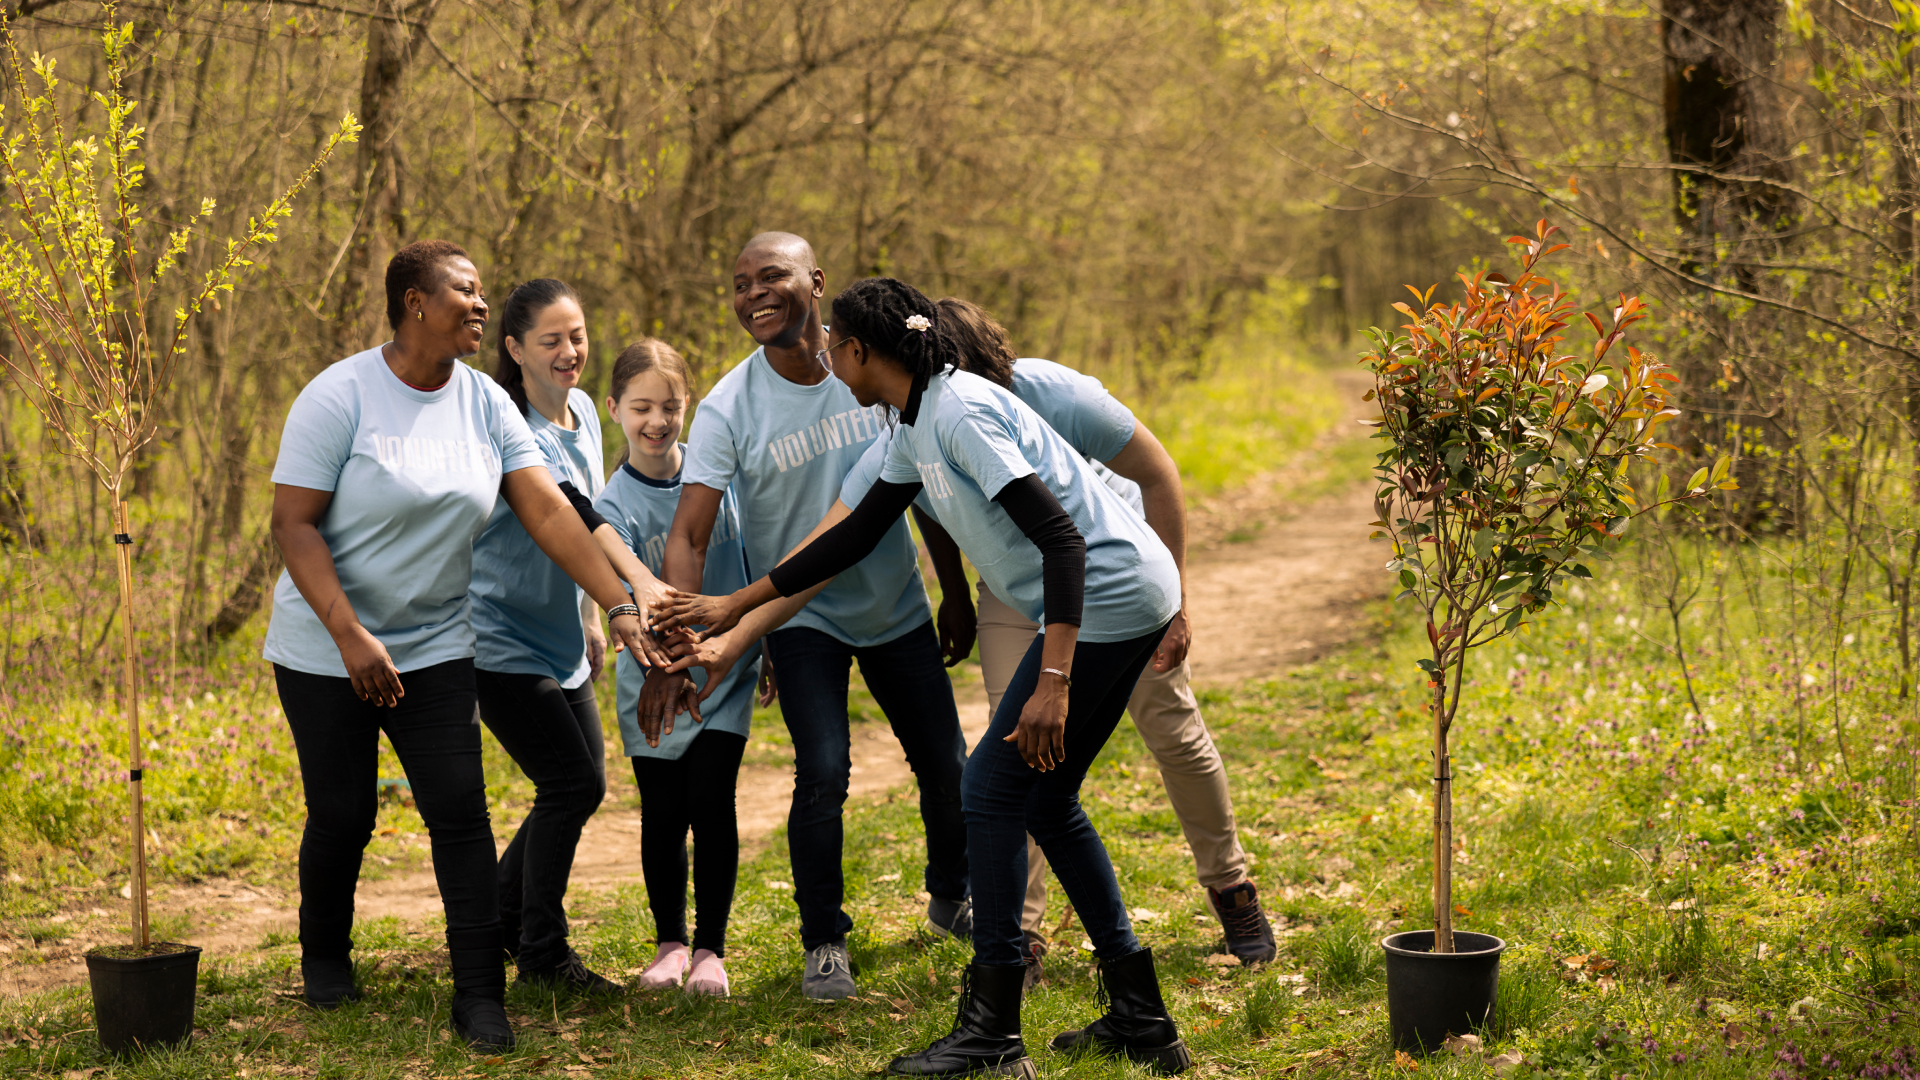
point(1032, 955)
point(570, 975)
point(951, 918)
point(1249, 936)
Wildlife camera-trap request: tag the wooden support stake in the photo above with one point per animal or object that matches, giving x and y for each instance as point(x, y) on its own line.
point(130, 701)
point(1442, 826)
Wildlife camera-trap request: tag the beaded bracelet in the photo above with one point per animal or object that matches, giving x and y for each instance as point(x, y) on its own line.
point(618, 610)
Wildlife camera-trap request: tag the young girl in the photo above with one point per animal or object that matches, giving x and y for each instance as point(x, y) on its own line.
point(686, 774)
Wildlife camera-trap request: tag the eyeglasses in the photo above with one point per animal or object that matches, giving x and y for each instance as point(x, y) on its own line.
point(825, 356)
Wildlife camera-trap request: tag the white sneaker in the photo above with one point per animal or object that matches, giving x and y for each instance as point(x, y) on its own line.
point(668, 966)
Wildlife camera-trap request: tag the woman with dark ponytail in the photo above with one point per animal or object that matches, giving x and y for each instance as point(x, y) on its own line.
point(538, 643)
point(1067, 551)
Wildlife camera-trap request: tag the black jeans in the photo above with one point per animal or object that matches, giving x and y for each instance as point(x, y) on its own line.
point(433, 731)
point(909, 681)
point(695, 791)
point(1006, 799)
point(554, 735)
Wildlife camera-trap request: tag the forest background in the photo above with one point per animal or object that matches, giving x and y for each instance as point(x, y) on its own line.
point(1203, 203)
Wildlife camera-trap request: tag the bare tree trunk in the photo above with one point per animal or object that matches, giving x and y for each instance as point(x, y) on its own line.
point(1442, 817)
point(130, 701)
point(247, 596)
point(395, 37)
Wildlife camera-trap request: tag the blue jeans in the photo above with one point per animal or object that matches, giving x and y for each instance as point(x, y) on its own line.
point(1006, 799)
point(909, 682)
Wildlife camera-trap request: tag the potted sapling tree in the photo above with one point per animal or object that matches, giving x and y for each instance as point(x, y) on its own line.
point(96, 308)
point(1505, 471)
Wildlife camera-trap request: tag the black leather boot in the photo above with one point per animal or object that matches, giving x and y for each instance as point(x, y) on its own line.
point(329, 981)
point(986, 1033)
point(479, 989)
point(1136, 1024)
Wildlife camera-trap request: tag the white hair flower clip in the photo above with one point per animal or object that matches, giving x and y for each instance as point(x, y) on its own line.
point(920, 323)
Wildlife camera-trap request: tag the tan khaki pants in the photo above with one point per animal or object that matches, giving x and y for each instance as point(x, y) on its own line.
point(1168, 718)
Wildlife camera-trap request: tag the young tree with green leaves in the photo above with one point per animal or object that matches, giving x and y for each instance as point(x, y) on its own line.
point(94, 297)
point(1506, 464)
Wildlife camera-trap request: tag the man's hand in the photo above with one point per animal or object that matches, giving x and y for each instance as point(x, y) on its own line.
point(629, 635)
point(685, 610)
point(715, 654)
point(1173, 647)
point(1041, 734)
point(370, 668)
point(957, 625)
point(662, 698)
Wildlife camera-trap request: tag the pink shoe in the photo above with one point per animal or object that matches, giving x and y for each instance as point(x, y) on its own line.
point(709, 975)
point(669, 964)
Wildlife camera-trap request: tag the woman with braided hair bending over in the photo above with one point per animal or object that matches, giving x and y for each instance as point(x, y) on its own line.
point(1062, 547)
point(388, 470)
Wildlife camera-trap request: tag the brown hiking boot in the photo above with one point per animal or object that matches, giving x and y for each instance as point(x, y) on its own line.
point(1249, 936)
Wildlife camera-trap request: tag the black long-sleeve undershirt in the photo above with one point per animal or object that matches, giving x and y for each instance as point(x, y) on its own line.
point(582, 505)
point(1027, 502)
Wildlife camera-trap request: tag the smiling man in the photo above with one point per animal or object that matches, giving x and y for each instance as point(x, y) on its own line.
point(784, 433)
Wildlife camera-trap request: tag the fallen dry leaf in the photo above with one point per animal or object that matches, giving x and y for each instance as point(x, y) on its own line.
point(1574, 961)
point(1404, 1060)
point(1223, 960)
point(1507, 1062)
point(1461, 910)
point(1462, 1045)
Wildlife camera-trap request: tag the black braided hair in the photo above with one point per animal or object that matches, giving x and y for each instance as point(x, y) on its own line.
point(876, 311)
point(517, 316)
point(416, 266)
point(982, 342)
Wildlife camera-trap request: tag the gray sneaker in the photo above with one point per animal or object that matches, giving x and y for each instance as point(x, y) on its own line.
point(951, 918)
point(829, 973)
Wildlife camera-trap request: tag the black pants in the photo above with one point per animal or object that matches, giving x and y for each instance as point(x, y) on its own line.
point(909, 682)
point(695, 791)
point(553, 734)
point(432, 729)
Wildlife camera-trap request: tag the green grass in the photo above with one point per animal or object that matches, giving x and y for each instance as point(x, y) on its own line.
point(1732, 916)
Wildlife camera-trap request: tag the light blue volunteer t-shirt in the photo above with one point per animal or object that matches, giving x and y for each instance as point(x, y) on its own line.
point(414, 475)
point(970, 440)
point(784, 449)
point(526, 610)
point(640, 509)
point(1077, 406)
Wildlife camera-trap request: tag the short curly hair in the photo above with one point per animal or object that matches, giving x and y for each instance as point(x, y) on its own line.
point(416, 266)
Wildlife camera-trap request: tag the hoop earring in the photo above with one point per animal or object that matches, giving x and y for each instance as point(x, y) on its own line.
point(421, 315)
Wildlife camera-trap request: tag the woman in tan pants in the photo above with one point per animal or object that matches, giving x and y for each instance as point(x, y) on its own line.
point(1162, 706)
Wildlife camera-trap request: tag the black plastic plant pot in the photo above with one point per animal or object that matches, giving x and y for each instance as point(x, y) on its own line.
point(143, 998)
point(1433, 995)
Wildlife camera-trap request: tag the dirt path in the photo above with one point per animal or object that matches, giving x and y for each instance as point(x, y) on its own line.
point(1286, 595)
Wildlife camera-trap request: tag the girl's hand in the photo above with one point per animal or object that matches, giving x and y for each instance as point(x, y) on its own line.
point(684, 610)
point(370, 668)
point(1041, 734)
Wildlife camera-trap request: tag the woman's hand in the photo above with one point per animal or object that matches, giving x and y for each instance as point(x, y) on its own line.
point(716, 655)
point(769, 690)
point(958, 626)
point(663, 697)
point(1172, 651)
point(685, 610)
point(370, 668)
point(1041, 734)
point(596, 650)
point(631, 636)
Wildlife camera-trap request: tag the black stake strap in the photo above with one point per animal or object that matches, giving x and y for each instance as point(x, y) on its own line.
point(122, 538)
point(134, 775)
